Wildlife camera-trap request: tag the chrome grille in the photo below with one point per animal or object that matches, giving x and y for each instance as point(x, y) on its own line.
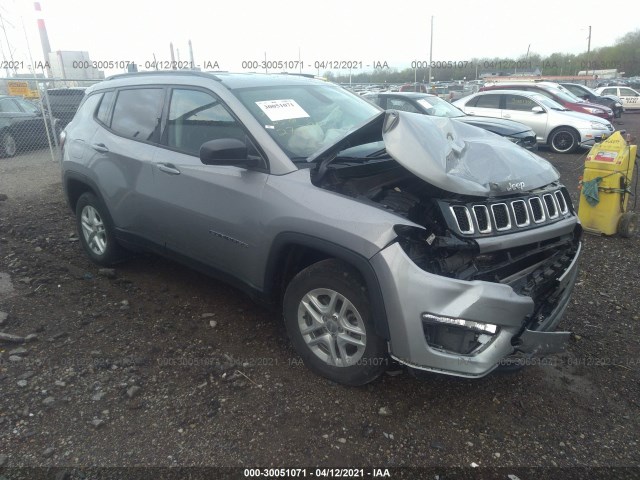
point(511, 214)
point(552, 210)
point(562, 203)
point(463, 218)
point(501, 216)
point(482, 218)
point(536, 209)
point(520, 213)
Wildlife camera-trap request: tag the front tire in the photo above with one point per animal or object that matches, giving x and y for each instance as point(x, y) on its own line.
point(96, 231)
point(564, 140)
point(8, 146)
point(328, 318)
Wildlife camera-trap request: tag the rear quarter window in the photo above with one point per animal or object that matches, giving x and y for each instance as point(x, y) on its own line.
point(105, 108)
point(88, 107)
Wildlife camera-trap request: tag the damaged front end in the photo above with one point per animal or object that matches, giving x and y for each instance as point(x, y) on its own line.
point(485, 261)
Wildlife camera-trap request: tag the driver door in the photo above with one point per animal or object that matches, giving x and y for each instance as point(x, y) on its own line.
point(206, 212)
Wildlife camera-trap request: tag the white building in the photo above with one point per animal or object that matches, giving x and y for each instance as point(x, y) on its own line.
point(74, 65)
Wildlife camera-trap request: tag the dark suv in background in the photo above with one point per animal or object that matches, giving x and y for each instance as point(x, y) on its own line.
point(64, 102)
point(377, 234)
point(590, 96)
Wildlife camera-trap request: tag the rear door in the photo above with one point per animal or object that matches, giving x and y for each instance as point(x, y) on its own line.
point(485, 105)
point(122, 154)
point(519, 108)
point(630, 98)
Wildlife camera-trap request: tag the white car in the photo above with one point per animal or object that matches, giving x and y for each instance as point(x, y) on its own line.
point(630, 97)
point(556, 126)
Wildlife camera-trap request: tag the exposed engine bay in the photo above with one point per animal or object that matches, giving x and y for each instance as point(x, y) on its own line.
point(441, 247)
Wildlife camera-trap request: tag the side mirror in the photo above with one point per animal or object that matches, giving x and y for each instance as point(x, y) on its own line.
point(227, 151)
point(537, 109)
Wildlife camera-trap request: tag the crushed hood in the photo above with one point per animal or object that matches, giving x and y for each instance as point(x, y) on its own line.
point(449, 155)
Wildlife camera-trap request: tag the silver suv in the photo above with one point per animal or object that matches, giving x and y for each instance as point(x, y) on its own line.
point(379, 234)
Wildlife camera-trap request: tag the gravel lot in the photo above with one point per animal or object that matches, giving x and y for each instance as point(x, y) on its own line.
point(152, 364)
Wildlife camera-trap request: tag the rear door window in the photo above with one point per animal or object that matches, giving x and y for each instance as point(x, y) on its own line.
point(627, 92)
point(488, 101)
point(137, 113)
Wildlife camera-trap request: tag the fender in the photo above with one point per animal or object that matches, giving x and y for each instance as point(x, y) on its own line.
point(71, 175)
point(360, 263)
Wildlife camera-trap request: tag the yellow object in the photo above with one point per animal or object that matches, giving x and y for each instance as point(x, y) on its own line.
point(613, 161)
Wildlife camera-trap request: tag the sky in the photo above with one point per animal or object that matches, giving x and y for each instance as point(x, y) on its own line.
point(233, 32)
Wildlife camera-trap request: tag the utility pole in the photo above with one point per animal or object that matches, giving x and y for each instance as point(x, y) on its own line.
point(6, 37)
point(589, 50)
point(430, 53)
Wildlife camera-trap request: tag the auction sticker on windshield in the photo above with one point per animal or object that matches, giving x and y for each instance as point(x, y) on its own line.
point(424, 103)
point(282, 109)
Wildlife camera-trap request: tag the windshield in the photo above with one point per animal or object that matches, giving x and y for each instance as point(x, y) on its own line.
point(304, 118)
point(547, 102)
point(439, 108)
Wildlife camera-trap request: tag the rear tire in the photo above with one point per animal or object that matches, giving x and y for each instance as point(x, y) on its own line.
point(327, 314)
point(8, 146)
point(564, 140)
point(96, 231)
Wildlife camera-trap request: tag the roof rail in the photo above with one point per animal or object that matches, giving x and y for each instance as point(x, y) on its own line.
point(162, 72)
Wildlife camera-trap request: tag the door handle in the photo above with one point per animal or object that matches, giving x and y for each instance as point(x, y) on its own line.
point(506, 115)
point(100, 147)
point(168, 168)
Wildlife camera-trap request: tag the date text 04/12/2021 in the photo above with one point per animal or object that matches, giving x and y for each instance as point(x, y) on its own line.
point(316, 473)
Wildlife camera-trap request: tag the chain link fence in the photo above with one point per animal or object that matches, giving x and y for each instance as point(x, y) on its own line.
point(33, 112)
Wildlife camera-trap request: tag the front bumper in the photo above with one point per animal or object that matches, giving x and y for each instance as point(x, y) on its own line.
point(588, 137)
point(409, 292)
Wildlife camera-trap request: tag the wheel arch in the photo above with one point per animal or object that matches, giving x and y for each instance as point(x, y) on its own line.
point(292, 252)
point(75, 184)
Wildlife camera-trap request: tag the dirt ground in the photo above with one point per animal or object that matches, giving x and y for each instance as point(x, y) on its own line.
point(155, 365)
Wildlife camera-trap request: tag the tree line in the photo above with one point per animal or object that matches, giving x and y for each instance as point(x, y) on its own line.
point(623, 56)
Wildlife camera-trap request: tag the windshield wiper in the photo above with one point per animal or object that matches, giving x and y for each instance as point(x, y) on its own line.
point(378, 153)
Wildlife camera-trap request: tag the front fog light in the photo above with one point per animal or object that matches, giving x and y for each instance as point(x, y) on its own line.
point(456, 335)
point(489, 328)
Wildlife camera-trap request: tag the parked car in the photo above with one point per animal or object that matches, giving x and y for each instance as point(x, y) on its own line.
point(556, 126)
point(379, 234)
point(23, 126)
point(413, 87)
point(588, 95)
point(565, 99)
point(630, 97)
point(64, 102)
point(427, 104)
